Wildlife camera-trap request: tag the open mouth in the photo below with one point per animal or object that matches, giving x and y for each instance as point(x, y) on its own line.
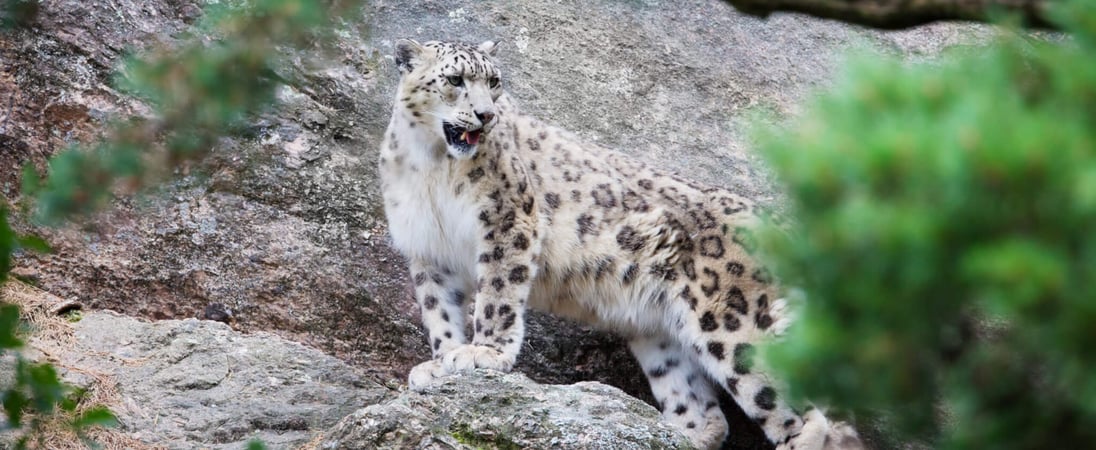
point(461, 138)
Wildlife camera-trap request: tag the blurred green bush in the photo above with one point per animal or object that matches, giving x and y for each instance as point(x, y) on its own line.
point(946, 242)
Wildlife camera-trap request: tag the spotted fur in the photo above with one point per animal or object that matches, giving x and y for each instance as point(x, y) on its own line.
point(532, 216)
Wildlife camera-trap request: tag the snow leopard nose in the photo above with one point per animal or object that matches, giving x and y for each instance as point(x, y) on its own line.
point(485, 117)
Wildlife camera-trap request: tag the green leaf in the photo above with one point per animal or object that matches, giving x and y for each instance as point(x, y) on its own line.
point(46, 388)
point(14, 404)
point(8, 243)
point(98, 416)
point(31, 181)
point(69, 404)
point(36, 243)
point(255, 444)
point(9, 325)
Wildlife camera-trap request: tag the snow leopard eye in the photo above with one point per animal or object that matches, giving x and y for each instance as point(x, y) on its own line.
point(494, 82)
point(455, 80)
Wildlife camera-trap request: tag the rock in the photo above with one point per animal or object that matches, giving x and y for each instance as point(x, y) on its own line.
point(489, 409)
point(217, 312)
point(198, 384)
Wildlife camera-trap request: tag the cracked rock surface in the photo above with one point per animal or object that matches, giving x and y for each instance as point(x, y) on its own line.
point(197, 384)
point(488, 409)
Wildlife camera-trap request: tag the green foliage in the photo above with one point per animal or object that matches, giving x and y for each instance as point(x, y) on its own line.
point(9, 242)
point(9, 323)
point(945, 241)
point(96, 417)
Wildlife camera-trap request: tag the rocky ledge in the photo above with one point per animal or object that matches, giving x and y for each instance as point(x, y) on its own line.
point(488, 409)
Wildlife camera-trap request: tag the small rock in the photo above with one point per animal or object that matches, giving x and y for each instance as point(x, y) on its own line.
point(25, 273)
point(190, 12)
point(218, 312)
point(313, 119)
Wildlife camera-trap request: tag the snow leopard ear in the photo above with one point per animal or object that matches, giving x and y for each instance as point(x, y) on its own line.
point(408, 53)
point(488, 47)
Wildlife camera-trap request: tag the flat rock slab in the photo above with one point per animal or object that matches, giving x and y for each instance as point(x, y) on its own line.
point(488, 409)
point(198, 384)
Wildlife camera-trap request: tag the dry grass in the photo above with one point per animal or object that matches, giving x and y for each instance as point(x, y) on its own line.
point(51, 334)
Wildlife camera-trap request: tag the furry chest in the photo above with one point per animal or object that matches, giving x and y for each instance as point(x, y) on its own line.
point(428, 221)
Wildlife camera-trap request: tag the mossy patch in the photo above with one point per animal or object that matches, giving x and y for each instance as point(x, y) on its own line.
point(464, 434)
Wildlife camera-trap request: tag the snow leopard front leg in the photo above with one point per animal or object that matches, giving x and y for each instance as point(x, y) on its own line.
point(440, 295)
point(505, 267)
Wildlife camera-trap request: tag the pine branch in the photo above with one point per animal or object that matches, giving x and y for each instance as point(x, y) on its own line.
point(897, 14)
